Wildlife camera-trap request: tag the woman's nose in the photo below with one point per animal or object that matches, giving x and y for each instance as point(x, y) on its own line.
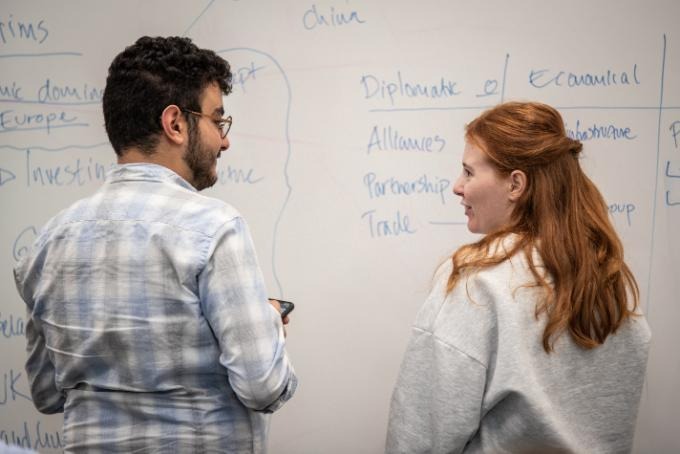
point(458, 187)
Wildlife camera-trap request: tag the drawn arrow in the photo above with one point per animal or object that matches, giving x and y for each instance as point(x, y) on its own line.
point(6, 176)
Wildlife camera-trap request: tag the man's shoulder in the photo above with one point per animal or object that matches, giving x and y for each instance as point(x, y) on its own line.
point(171, 205)
point(157, 190)
point(68, 213)
point(208, 213)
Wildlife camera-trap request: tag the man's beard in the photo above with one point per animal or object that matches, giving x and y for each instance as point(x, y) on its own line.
point(200, 160)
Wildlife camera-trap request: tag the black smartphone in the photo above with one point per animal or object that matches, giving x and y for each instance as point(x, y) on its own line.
point(286, 307)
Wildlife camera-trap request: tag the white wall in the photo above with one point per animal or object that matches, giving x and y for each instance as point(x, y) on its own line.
point(309, 110)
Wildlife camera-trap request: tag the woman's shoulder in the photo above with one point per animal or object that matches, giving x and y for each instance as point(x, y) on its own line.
point(463, 319)
point(473, 295)
point(483, 291)
point(487, 285)
point(513, 263)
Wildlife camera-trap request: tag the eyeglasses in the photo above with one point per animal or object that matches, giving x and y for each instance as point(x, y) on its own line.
point(224, 123)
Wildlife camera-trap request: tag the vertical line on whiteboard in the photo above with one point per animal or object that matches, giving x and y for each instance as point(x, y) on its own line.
point(28, 167)
point(286, 176)
point(198, 17)
point(505, 72)
point(656, 179)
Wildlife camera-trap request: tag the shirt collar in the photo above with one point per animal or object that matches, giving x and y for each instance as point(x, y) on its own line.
point(145, 172)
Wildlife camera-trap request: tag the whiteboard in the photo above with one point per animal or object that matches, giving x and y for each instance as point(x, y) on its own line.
point(347, 137)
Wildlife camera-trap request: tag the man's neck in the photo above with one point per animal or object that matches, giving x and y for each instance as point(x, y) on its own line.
point(172, 161)
point(135, 156)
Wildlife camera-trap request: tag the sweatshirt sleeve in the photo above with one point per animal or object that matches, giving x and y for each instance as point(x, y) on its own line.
point(437, 401)
point(439, 397)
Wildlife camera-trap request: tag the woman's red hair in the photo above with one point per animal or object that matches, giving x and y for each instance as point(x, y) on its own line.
point(563, 216)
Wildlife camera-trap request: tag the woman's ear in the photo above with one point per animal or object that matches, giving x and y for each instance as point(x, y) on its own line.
point(518, 184)
point(173, 124)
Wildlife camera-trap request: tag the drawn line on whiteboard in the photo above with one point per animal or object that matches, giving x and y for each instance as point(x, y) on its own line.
point(286, 176)
point(46, 128)
point(668, 171)
point(618, 107)
point(66, 147)
point(419, 109)
point(670, 202)
point(505, 72)
point(44, 54)
point(484, 107)
point(656, 177)
point(198, 17)
point(448, 223)
point(49, 103)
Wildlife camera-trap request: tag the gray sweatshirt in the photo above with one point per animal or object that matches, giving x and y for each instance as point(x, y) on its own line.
point(475, 377)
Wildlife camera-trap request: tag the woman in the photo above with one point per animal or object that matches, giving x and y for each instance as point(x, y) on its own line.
point(530, 340)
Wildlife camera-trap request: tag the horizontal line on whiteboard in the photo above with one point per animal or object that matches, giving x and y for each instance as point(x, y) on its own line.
point(618, 107)
point(448, 223)
point(415, 109)
point(44, 128)
point(44, 54)
point(50, 103)
point(421, 109)
point(67, 147)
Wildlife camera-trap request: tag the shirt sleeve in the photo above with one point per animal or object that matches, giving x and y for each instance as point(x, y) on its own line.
point(249, 330)
point(39, 367)
point(437, 401)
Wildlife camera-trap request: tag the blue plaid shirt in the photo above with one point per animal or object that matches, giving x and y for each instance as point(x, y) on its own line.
point(149, 325)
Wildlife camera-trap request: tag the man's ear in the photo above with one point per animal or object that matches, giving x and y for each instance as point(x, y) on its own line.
point(518, 184)
point(174, 124)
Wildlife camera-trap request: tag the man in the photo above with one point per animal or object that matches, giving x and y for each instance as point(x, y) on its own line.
point(149, 325)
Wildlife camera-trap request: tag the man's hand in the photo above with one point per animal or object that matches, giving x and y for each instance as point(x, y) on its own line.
point(285, 319)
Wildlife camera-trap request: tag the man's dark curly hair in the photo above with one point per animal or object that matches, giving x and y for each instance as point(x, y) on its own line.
point(150, 75)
